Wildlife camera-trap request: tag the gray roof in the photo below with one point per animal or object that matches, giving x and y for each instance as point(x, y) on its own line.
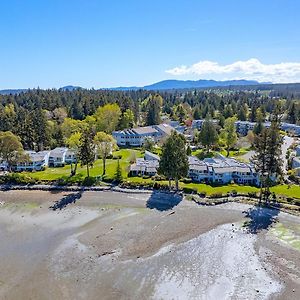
point(58, 152)
point(154, 156)
point(165, 128)
point(144, 130)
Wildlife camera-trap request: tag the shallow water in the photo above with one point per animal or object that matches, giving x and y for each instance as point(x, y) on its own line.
point(221, 264)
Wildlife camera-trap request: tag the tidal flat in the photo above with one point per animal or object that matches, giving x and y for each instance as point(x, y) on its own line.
point(110, 245)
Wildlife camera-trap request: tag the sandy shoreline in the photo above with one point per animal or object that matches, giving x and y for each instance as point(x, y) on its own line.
point(142, 246)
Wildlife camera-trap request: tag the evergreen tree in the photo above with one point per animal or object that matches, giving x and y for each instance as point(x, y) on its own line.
point(174, 161)
point(267, 159)
point(243, 112)
point(292, 114)
point(188, 150)
point(118, 175)
point(86, 152)
point(208, 135)
point(259, 122)
point(153, 108)
point(40, 128)
point(180, 113)
point(197, 113)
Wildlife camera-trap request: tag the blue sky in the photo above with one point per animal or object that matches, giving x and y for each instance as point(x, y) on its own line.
point(52, 43)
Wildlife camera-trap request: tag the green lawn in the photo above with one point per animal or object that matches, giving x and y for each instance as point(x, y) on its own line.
point(51, 174)
point(200, 153)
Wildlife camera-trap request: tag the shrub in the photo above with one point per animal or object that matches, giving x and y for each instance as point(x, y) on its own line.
point(216, 195)
point(17, 178)
point(188, 190)
point(297, 202)
point(233, 193)
point(202, 194)
point(158, 177)
point(252, 194)
point(89, 181)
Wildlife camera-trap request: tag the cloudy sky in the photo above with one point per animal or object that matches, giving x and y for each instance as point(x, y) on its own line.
point(252, 69)
point(99, 43)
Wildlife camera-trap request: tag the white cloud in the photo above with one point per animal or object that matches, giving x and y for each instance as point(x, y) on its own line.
point(249, 69)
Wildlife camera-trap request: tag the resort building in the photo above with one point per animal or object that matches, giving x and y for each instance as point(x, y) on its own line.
point(58, 157)
point(136, 136)
point(145, 166)
point(61, 156)
point(37, 161)
point(221, 170)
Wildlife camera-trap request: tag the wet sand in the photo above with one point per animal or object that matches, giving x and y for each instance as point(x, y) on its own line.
point(108, 245)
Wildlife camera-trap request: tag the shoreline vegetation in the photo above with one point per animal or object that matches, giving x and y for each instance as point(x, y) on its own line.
point(285, 196)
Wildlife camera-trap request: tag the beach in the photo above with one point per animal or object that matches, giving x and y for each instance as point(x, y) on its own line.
point(112, 245)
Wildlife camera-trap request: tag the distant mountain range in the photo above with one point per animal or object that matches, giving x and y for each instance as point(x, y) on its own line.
point(18, 91)
point(190, 84)
point(165, 85)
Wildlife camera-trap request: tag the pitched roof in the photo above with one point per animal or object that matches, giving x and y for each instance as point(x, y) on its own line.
point(144, 130)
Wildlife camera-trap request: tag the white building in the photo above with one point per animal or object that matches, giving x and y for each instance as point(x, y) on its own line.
point(221, 170)
point(145, 166)
point(57, 157)
point(136, 136)
point(37, 161)
point(70, 157)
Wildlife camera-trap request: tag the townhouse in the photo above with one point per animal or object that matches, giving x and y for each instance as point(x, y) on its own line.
point(222, 170)
point(145, 166)
point(136, 136)
point(61, 156)
point(242, 127)
point(37, 161)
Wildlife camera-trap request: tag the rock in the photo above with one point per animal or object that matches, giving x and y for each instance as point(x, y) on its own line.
point(111, 228)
